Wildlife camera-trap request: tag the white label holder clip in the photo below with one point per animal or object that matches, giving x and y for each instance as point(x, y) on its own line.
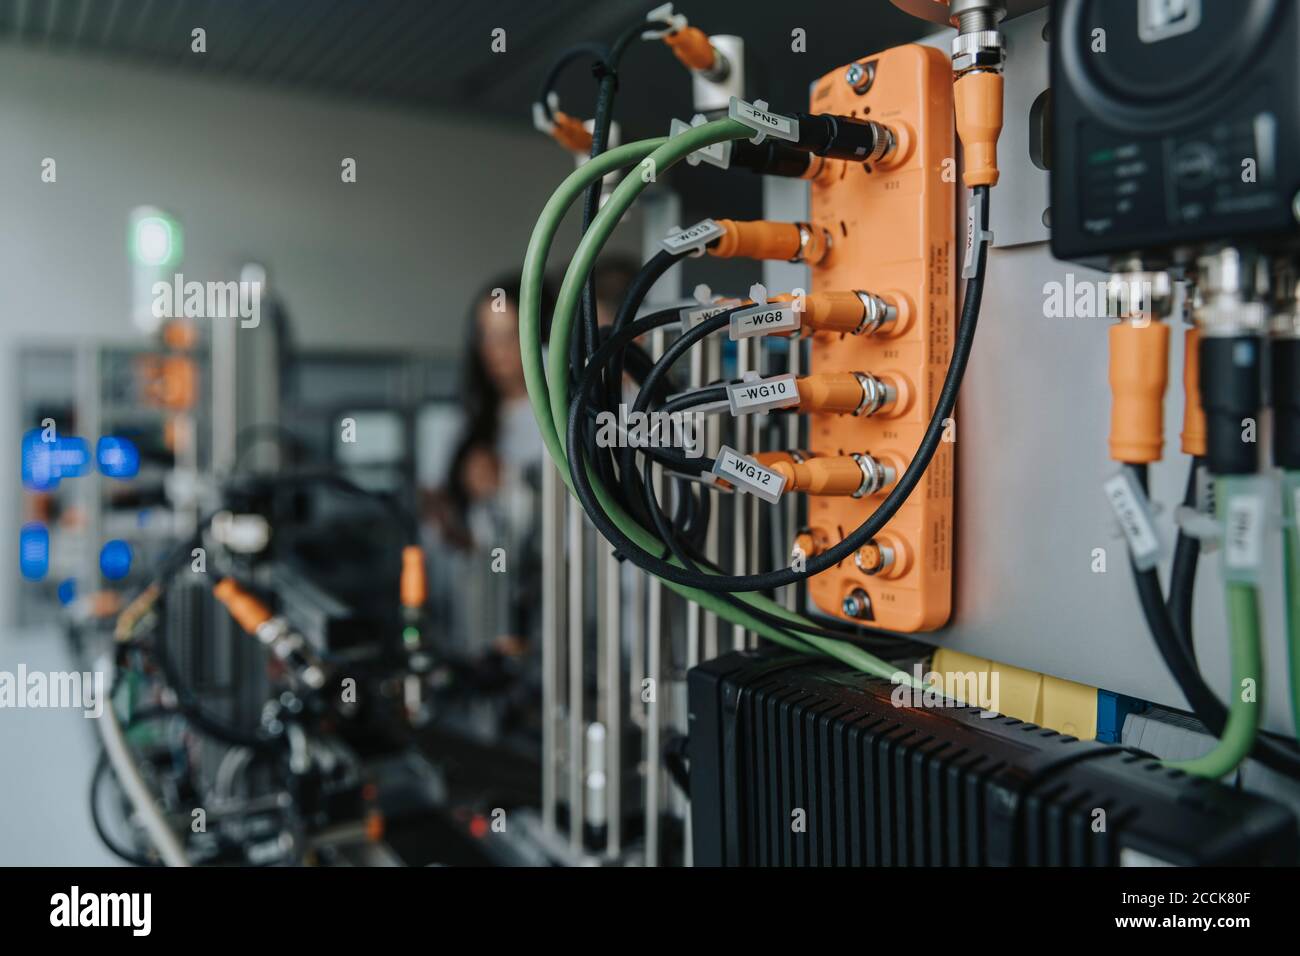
point(719, 154)
point(763, 121)
point(693, 239)
point(747, 475)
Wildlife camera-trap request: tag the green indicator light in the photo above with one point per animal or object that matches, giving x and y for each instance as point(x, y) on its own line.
point(156, 241)
point(411, 635)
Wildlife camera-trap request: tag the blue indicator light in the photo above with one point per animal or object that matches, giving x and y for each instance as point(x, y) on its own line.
point(67, 591)
point(117, 457)
point(45, 463)
point(115, 559)
point(34, 551)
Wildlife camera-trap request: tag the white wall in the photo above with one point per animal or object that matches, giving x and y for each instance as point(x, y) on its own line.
point(440, 205)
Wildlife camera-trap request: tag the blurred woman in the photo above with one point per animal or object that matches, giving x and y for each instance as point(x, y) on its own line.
point(499, 444)
point(485, 558)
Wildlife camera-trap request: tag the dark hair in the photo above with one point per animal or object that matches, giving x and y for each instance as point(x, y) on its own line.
point(482, 399)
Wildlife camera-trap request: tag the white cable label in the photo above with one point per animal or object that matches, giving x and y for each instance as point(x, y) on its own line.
point(976, 235)
point(747, 475)
point(764, 320)
point(694, 315)
point(1243, 541)
point(759, 118)
point(761, 394)
point(1134, 514)
point(693, 238)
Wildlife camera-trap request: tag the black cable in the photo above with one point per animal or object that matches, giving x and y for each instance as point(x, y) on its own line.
point(1182, 577)
point(96, 781)
point(1202, 700)
point(595, 51)
point(600, 127)
point(650, 272)
point(605, 69)
point(188, 703)
point(129, 856)
point(789, 628)
point(858, 537)
point(578, 413)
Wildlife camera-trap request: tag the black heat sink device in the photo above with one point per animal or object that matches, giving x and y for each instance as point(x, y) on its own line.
point(881, 784)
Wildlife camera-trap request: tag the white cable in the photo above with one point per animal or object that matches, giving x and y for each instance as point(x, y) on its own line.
point(128, 776)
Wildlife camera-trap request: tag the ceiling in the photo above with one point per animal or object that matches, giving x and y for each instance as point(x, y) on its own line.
point(435, 54)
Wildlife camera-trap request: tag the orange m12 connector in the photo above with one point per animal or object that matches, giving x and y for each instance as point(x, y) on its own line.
point(893, 231)
point(854, 476)
point(760, 239)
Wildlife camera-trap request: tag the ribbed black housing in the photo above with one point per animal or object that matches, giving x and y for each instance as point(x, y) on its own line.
point(883, 785)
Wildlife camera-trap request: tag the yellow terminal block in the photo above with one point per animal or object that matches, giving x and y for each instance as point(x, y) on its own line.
point(1061, 705)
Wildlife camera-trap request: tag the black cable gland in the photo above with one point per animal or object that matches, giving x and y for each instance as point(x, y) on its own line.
point(1232, 394)
point(840, 137)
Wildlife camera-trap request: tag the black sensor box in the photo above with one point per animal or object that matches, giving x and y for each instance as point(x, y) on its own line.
point(1174, 123)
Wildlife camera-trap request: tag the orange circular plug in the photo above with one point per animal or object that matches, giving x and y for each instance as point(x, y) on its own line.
point(812, 541)
point(977, 99)
point(1139, 373)
point(887, 556)
point(1194, 428)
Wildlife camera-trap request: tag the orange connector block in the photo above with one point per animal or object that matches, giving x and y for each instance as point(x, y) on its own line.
point(893, 229)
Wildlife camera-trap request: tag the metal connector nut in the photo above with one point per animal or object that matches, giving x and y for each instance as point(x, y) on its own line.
point(982, 50)
point(877, 312)
point(876, 394)
point(875, 475)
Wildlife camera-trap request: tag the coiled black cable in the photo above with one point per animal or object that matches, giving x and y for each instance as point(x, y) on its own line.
point(902, 489)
